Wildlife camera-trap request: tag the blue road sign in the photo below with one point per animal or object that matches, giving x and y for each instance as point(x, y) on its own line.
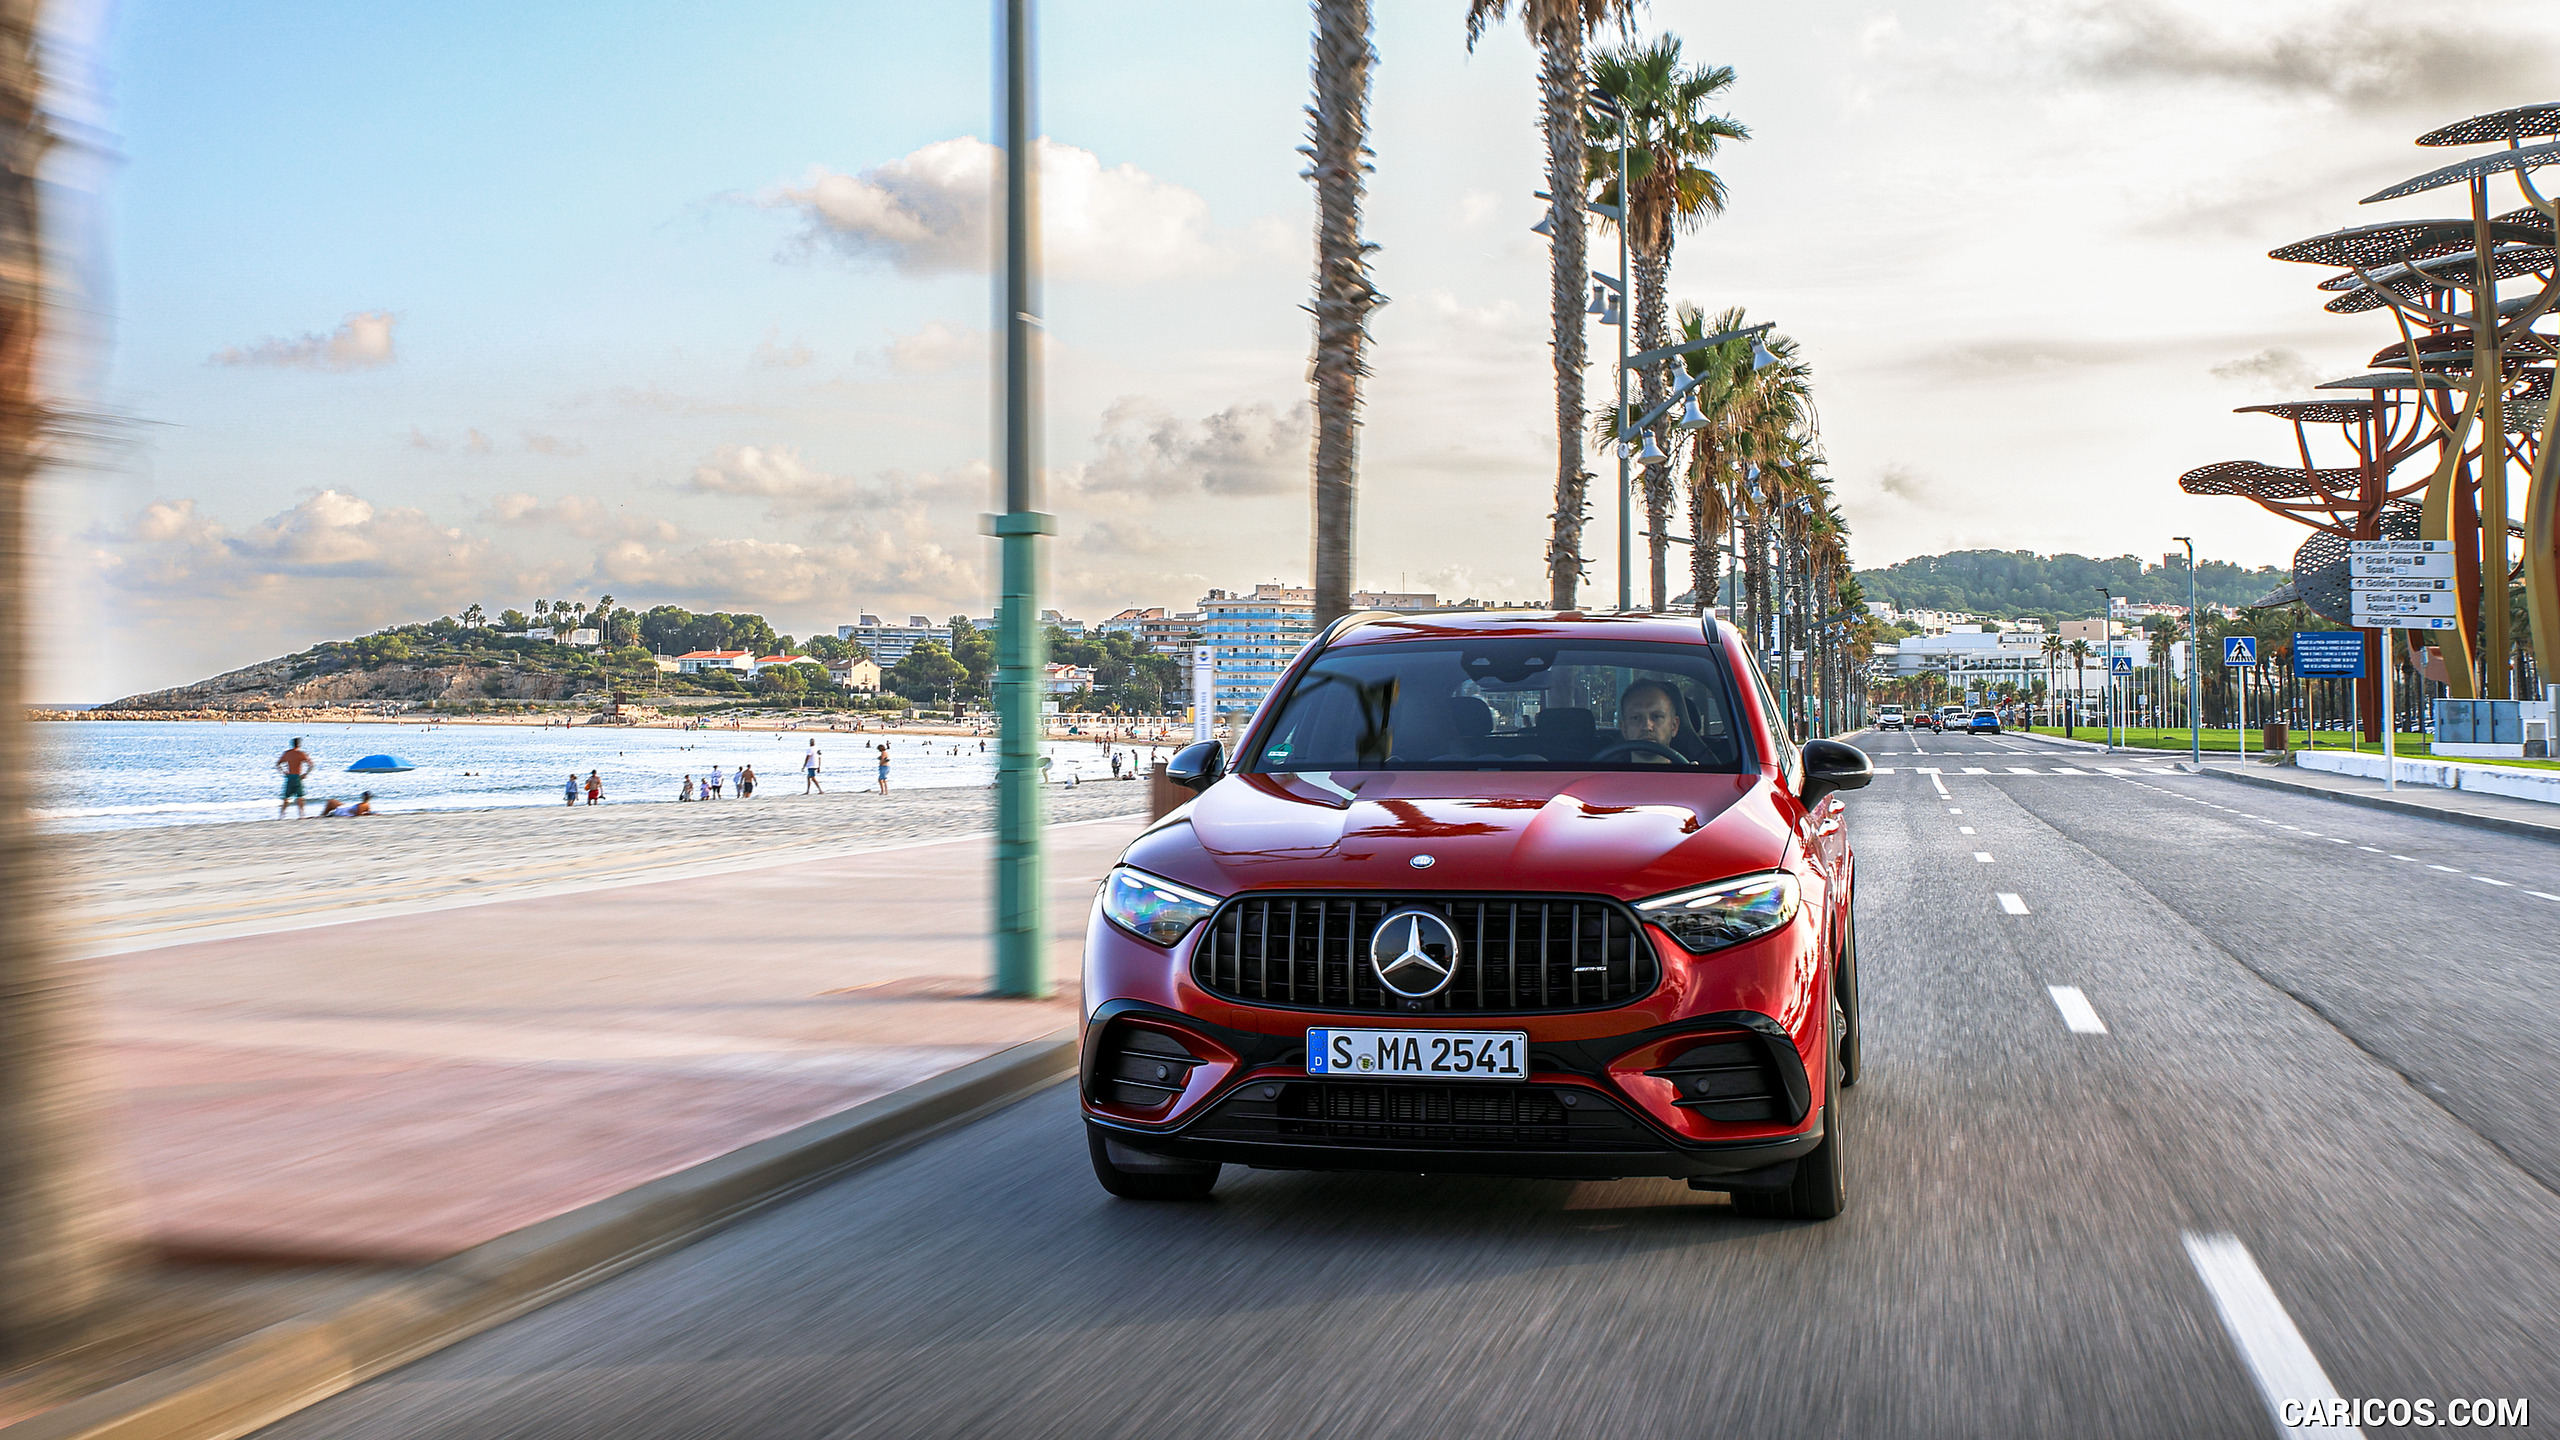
point(2239, 649)
point(2120, 665)
point(2328, 654)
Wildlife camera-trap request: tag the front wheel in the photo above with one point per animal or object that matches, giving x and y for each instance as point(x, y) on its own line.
point(1135, 1175)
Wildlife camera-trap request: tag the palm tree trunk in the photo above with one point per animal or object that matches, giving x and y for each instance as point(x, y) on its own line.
point(1560, 84)
point(1706, 524)
point(57, 1240)
point(1337, 141)
point(1653, 330)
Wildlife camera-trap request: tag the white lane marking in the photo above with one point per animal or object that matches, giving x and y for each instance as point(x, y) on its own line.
point(1975, 770)
point(2112, 770)
point(2412, 859)
point(2449, 870)
point(1953, 810)
point(2485, 880)
point(2542, 895)
point(1884, 769)
point(1939, 784)
point(2337, 840)
point(1964, 829)
point(2021, 770)
point(2370, 849)
point(2254, 1318)
point(2078, 1016)
point(2012, 903)
point(2067, 770)
point(1985, 859)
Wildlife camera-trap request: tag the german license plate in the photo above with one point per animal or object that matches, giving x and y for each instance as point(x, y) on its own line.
point(1420, 1054)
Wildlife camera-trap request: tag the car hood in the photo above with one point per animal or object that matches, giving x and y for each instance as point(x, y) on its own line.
point(1619, 833)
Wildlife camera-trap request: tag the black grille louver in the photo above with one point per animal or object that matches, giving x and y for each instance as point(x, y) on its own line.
point(1515, 954)
point(1422, 1116)
point(1145, 1069)
point(1730, 1079)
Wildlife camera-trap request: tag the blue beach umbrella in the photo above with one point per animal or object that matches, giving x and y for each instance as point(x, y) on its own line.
point(381, 765)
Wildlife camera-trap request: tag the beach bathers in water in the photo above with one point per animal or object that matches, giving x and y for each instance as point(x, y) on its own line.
point(293, 787)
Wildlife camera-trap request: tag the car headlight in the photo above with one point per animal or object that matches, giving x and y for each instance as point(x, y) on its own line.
point(1153, 909)
point(1728, 912)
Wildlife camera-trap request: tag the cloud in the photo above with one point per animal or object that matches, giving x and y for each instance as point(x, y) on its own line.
point(778, 473)
point(581, 515)
point(929, 213)
point(2277, 367)
point(332, 544)
point(552, 445)
point(772, 354)
point(1241, 451)
point(421, 440)
point(2377, 52)
point(476, 443)
point(871, 566)
point(2032, 354)
point(936, 347)
point(362, 341)
point(1906, 484)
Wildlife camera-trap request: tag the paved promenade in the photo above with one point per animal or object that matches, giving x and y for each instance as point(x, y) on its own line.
point(392, 1090)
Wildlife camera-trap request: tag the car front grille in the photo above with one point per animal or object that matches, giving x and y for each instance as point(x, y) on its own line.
point(1515, 954)
point(1475, 1116)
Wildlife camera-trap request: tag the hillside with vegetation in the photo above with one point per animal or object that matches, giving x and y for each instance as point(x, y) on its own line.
point(471, 663)
point(2021, 584)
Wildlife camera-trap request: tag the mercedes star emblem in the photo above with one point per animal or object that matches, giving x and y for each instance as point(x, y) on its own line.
point(1415, 954)
point(1421, 862)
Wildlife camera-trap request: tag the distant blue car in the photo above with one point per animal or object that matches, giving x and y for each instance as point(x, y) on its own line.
point(1984, 721)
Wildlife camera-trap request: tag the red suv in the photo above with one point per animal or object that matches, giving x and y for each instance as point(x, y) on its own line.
point(1544, 895)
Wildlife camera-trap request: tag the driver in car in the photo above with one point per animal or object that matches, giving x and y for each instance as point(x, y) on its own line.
point(1648, 710)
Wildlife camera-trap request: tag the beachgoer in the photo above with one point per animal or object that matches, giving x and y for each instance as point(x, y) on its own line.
point(715, 782)
point(809, 765)
point(295, 765)
point(595, 788)
point(884, 767)
point(363, 806)
point(330, 807)
point(1115, 764)
point(1045, 762)
point(569, 790)
point(746, 781)
point(687, 793)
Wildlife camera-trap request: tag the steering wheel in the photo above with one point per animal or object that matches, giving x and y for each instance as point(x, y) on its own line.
point(1630, 747)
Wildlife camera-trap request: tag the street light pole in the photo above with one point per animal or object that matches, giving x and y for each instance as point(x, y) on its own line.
point(2107, 632)
point(1021, 928)
point(1626, 322)
point(2195, 658)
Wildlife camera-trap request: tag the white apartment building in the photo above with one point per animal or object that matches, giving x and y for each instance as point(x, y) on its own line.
point(890, 644)
point(1254, 637)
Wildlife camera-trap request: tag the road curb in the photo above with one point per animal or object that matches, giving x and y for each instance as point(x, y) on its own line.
point(261, 1378)
point(2500, 823)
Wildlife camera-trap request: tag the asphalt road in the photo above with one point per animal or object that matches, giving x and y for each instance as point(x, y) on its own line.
point(2313, 1146)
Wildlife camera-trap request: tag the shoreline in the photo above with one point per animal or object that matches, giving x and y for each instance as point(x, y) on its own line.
point(810, 724)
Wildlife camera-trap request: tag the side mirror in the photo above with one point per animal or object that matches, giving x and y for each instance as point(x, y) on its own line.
point(1200, 765)
point(1830, 765)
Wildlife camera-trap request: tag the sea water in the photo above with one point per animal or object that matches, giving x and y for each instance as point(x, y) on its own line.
point(114, 774)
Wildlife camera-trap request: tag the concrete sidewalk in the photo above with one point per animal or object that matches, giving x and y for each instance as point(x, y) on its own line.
point(304, 1108)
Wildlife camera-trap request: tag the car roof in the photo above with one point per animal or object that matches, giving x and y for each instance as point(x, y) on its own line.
point(1381, 627)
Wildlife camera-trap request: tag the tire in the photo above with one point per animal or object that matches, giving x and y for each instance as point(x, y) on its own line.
point(1820, 1189)
point(1852, 1050)
point(1161, 1179)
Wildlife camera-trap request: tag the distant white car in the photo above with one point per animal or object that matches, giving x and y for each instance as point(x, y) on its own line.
point(1889, 717)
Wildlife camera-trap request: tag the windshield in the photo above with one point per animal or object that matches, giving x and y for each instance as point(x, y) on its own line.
point(1508, 703)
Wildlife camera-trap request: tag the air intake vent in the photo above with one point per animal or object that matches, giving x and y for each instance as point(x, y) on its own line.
point(1732, 1078)
point(1144, 1069)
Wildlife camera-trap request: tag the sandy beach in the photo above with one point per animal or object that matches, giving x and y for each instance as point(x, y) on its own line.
point(133, 889)
point(1097, 728)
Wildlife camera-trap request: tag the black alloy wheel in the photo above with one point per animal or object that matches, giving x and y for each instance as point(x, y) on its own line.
point(1852, 1055)
point(1147, 1177)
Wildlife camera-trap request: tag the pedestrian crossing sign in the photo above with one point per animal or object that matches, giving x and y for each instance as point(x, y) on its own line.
point(2239, 649)
point(2119, 664)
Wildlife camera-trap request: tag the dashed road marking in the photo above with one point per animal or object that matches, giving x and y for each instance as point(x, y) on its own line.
point(2449, 870)
point(2370, 849)
point(2277, 1357)
point(2542, 895)
point(1985, 859)
point(2412, 859)
point(2013, 904)
point(2078, 1016)
point(1964, 829)
point(2485, 880)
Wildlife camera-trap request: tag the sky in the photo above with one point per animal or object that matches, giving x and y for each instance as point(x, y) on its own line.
point(377, 312)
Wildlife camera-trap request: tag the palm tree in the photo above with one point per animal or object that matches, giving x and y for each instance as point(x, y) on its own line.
point(1662, 105)
point(58, 1254)
point(2079, 650)
point(2052, 649)
point(1336, 150)
point(1755, 418)
point(1558, 28)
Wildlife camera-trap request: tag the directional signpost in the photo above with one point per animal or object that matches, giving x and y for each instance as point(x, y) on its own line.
point(2400, 585)
point(2241, 650)
point(2116, 665)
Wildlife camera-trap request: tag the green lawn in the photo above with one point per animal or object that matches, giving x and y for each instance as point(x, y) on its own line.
point(2409, 747)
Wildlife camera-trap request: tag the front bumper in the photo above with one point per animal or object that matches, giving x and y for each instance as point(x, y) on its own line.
point(1607, 1107)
